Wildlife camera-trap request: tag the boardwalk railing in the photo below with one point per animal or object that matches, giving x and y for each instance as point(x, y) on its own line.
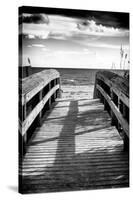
point(36, 94)
point(113, 91)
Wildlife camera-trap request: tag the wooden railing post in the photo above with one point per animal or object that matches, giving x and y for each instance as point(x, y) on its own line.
point(119, 126)
point(116, 101)
point(122, 133)
point(33, 101)
point(25, 135)
point(126, 142)
point(40, 114)
point(95, 95)
point(111, 112)
point(124, 110)
point(55, 91)
point(49, 101)
point(60, 92)
point(105, 104)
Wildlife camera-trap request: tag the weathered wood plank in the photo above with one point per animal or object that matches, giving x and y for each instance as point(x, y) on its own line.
point(114, 80)
point(121, 96)
point(30, 118)
point(75, 148)
point(116, 83)
point(115, 110)
point(31, 85)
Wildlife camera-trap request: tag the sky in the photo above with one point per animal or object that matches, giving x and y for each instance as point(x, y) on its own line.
point(73, 38)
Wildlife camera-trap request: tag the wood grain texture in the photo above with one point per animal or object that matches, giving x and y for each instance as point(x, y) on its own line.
point(76, 148)
point(115, 110)
point(118, 84)
point(30, 118)
point(30, 86)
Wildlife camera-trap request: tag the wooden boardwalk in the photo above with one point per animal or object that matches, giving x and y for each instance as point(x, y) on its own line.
point(76, 148)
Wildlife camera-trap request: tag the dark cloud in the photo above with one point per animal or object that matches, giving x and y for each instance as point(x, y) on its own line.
point(110, 19)
point(34, 18)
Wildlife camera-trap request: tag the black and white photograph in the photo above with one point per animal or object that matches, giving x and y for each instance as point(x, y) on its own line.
point(74, 72)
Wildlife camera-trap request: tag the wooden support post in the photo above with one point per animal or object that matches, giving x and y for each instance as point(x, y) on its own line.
point(25, 135)
point(124, 110)
point(105, 104)
point(55, 92)
point(111, 112)
point(113, 121)
point(60, 92)
point(118, 124)
point(40, 114)
point(49, 101)
point(124, 136)
point(119, 103)
point(95, 95)
point(99, 95)
point(58, 89)
point(125, 140)
point(102, 98)
point(111, 94)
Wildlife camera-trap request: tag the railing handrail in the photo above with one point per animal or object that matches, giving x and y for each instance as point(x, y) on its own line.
point(117, 84)
point(31, 85)
point(116, 111)
point(114, 88)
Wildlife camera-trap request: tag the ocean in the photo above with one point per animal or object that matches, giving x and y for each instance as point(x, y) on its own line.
point(77, 76)
point(79, 83)
point(80, 76)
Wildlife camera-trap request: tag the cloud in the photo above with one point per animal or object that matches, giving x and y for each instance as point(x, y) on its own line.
point(64, 28)
point(36, 30)
point(111, 19)
point(65, 33)
point(34, 19)
point(105, 18)
point(91, 27)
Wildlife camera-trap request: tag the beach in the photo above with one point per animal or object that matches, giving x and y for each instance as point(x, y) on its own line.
point(79, 83)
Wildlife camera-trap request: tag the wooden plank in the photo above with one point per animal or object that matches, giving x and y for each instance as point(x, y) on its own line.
point(118, 84)
point(24, 117)
point(121, 96)
point(75, 148)
point(40, 113)
point(116, 111)
point(31, 85)
point(113, 79)
point(60, 90)
point(30, 118)
point(55, 92)
point(49, 101)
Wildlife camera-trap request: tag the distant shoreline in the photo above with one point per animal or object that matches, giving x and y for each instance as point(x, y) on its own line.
point(28, 70)
point(82, 68)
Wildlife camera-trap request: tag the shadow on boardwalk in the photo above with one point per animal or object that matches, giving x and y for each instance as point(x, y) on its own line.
point(103, 164)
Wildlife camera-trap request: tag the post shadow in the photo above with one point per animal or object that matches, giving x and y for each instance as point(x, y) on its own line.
point(100, 166)
point(66, 140)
